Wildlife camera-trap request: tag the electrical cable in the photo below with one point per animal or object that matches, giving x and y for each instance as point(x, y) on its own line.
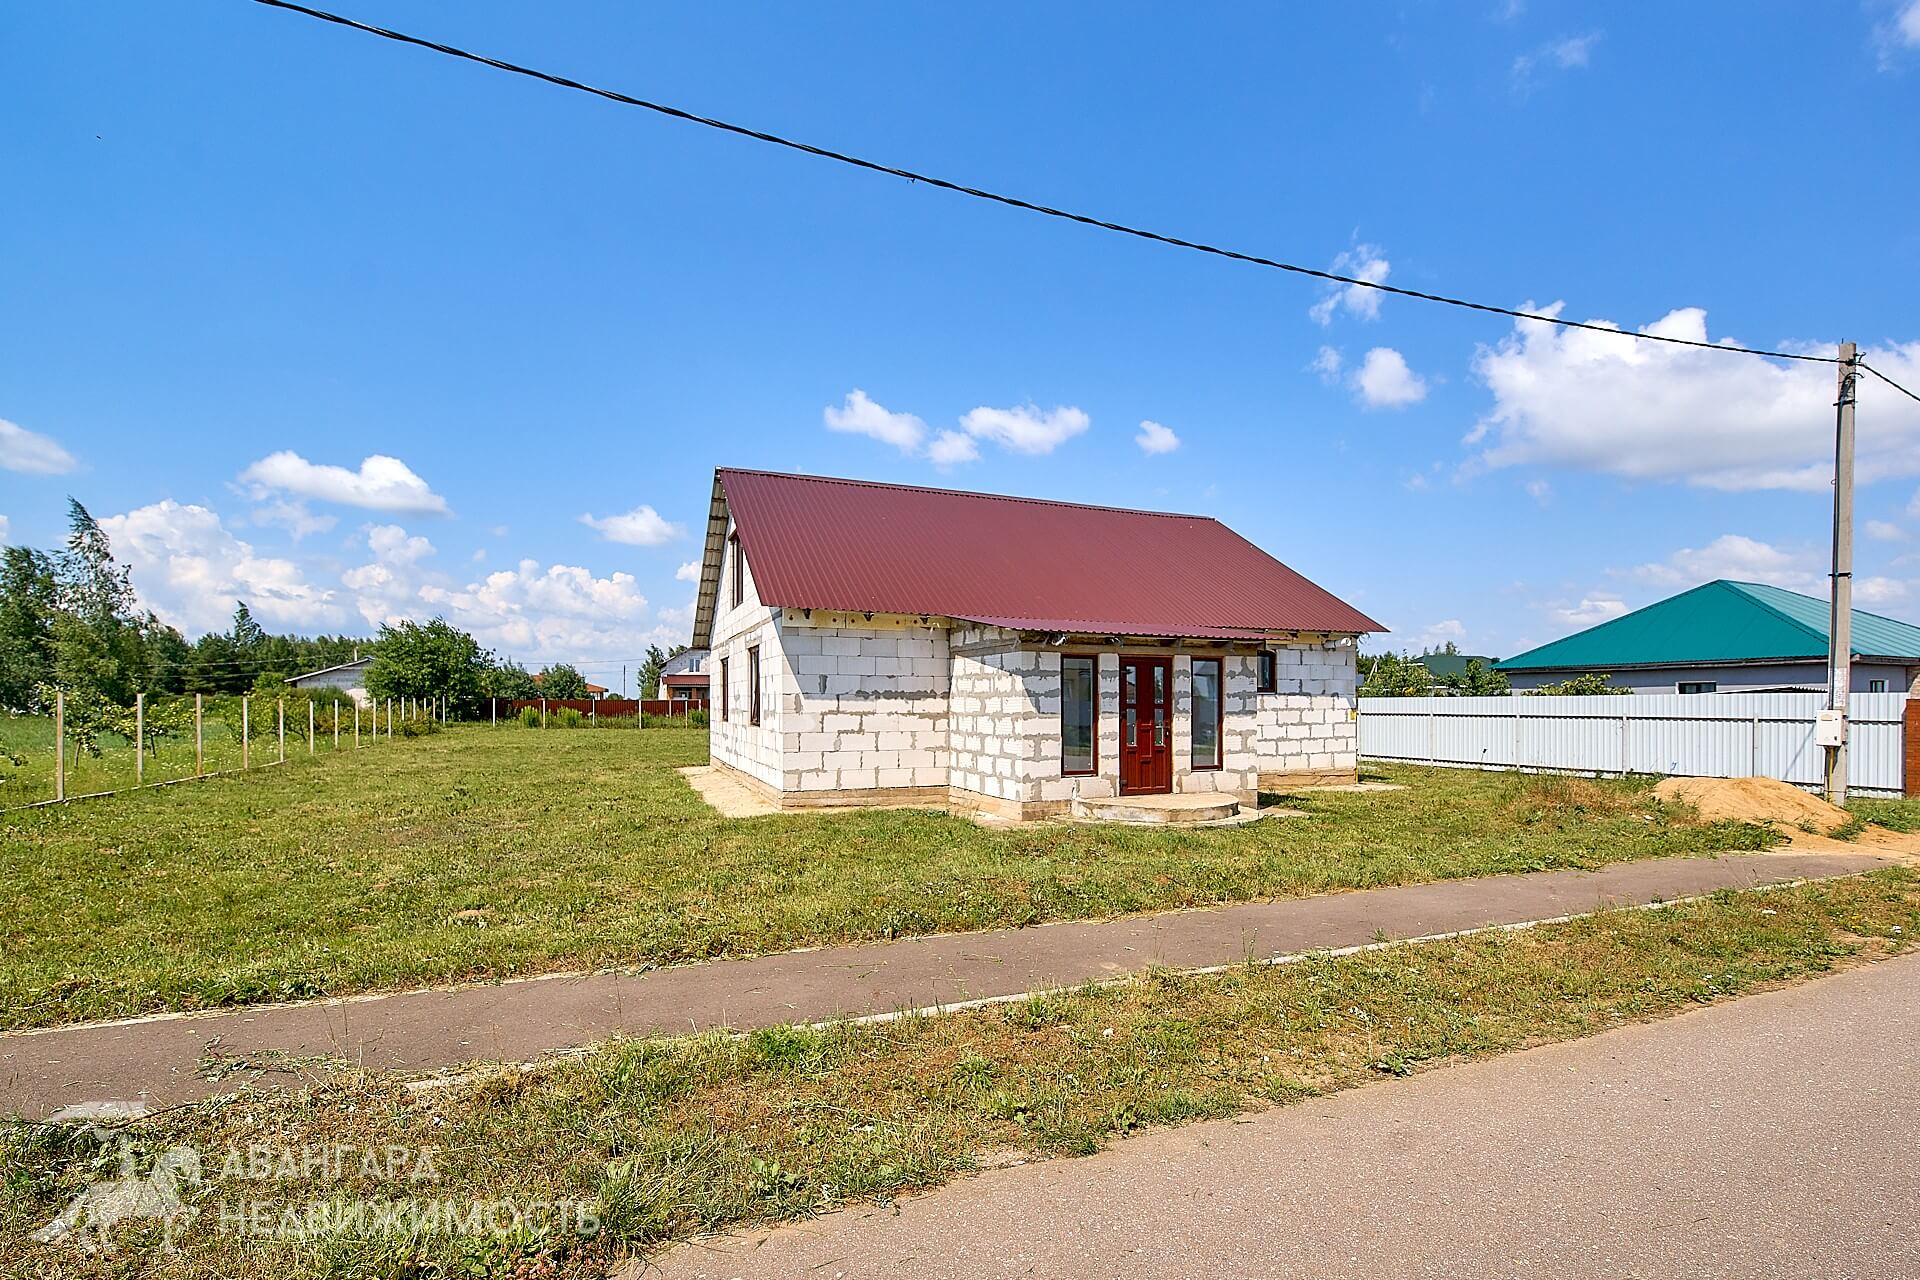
point(1016, 202)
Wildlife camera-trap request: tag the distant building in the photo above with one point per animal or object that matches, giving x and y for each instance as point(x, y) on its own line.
point(349, 677)
point(1726, 637)
point(685, 676)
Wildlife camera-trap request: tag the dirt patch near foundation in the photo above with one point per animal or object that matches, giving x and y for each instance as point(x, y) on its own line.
point(1763, 800)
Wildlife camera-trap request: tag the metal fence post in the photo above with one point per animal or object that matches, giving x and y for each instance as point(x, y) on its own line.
point(309, 726)
point(59, 744)
point(493, 711)
point(282, 715)
point(336, 724)
point(543, 713)
point(199, 738)
point(389, 719)
point(246, 732)
point(139, 739)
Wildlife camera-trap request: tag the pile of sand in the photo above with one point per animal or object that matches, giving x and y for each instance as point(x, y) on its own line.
point(1764, 800)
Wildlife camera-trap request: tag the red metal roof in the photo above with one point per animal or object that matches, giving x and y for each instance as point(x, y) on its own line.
point(858, 546)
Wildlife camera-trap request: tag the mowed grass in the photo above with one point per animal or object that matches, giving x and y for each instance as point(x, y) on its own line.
point(663, 1138)
point(481, 853)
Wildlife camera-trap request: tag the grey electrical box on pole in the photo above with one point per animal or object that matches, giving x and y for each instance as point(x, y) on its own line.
point(1840, 620)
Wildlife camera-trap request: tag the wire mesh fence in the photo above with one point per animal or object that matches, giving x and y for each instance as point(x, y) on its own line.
point(84, 748)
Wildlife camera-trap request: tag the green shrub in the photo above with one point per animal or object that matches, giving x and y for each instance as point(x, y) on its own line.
point(568, 718)
point(530, 717)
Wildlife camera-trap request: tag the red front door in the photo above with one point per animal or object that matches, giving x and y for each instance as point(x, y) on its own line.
point(1146, 725)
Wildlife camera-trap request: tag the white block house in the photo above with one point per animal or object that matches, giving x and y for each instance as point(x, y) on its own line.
point(883, 644)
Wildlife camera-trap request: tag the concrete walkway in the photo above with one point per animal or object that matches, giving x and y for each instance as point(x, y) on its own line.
point(156, 1061)
point(1766, 1137)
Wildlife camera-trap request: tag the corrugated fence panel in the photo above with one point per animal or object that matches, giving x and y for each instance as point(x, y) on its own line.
point(1699, 735)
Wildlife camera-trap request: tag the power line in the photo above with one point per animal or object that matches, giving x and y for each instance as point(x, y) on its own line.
point(1016, 202)
point(1889, 381)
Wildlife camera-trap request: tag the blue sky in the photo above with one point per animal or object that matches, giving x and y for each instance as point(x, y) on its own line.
point(355, 331)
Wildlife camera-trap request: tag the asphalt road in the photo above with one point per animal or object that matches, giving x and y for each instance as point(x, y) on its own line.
point(1776, 1136)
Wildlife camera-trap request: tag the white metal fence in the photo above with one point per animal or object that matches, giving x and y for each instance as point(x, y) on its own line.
point(1699, 735)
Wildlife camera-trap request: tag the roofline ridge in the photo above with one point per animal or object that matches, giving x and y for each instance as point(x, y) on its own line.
point(1825, 638)
point(963, 493)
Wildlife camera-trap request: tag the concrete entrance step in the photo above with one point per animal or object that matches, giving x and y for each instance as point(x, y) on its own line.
point(1164, 809)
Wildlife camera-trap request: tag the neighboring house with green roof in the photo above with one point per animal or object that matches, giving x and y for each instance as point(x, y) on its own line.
point(1726, 637)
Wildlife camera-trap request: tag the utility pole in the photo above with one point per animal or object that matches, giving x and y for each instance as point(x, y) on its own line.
point(1840, 619)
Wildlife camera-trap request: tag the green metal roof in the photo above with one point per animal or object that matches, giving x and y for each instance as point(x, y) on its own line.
point(1452, 664)
point(1720, 621)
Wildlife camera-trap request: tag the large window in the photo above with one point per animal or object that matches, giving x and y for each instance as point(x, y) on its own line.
point(724, 689)
point(1079, 709)
point(1269, 677)
point(753, 685)
point(1206, 713)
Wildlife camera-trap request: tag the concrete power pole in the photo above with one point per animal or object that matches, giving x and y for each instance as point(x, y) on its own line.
point(1840, 620)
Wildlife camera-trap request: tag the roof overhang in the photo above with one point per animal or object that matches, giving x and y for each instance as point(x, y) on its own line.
point(712, 557)
point(1692, 663)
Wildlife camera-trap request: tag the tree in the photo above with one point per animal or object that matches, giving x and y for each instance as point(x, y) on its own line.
point(1478, 680)
point(1394, 675)
point(93, 585)
point(508, 680)
point(428, 660)
point(656, 662)
point(28, 602)
point(561, 681)
point(1587, 684)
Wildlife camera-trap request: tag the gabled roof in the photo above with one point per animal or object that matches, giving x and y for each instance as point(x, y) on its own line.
point(857, 546)
point(1719, 621)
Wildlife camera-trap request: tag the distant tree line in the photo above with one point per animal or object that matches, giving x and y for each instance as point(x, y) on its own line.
point(69, 621)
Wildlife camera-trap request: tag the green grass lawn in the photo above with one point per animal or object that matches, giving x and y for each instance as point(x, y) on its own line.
point(483, 853)
point(665, 1137)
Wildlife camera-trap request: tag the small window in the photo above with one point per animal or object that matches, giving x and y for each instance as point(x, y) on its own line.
point(1269, 676)
point(739, 569)
point(1699, 686)
point(1079, 704)
point(753, 685)
point(1207, 706)
point(724, 690)
point(1876, 686)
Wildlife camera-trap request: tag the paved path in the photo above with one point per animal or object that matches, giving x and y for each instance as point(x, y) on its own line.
point(1767, 1137)
point(157, 1061)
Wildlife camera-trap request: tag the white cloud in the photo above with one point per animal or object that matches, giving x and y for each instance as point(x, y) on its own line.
point(1540, 491)
point(1366, 262)
point(1440, 634)
point(1655, 411)
point(381, 484)
point(1565, 54)
point(1899, 33)
point(1886, 530)
point(1879, 593)
point(6, 530)
point(191, 571)
point(861, 416)
point(688, 572)
point(31, 452)
point(640, 527)
point(1024, 428)
point(546, 614)
point(1155, 438)
point(952, 447)
point(1592, 609)
point(293, 516)
point(1327, 364)
point(1383, 381)
point(1742, 559)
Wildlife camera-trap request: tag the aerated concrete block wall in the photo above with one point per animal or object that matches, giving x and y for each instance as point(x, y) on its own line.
point(1005, 710)
point(1306, 730)
point(754, 750)
point(864, 706)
